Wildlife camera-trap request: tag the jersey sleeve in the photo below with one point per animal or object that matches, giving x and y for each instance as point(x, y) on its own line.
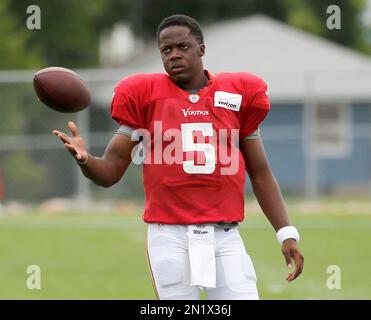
point(256, 110)
point(255, 135)
point(125, 105)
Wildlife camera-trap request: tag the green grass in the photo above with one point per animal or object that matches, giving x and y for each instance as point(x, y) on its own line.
point(341, 240)
point(103, 257)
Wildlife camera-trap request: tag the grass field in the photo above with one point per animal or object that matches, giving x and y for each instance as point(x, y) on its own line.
point(103, 256)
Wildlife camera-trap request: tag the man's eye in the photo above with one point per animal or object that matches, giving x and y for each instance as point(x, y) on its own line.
point(165, 50)
point(184, 46)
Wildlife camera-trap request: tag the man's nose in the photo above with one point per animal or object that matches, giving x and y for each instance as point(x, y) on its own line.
point(175, 55)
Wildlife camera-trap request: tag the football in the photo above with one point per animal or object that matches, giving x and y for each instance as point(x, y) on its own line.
point(61, 89)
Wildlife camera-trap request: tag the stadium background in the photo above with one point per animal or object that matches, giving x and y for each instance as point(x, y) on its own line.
point(89, 241)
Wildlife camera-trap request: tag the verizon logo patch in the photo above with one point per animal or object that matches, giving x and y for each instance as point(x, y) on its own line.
point(227, 100)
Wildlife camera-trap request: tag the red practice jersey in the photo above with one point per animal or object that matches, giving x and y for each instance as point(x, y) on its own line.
point(193, 170)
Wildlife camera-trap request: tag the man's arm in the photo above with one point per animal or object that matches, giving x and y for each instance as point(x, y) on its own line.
point(108, 169)
point(268, 194)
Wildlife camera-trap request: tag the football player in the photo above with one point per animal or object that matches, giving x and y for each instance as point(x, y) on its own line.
point(200, 134)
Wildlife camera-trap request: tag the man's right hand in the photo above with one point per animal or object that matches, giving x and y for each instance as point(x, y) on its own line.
point(75, 144)
point(104, 171)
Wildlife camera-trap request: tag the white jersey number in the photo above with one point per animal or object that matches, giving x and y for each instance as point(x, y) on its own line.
point(207, 148)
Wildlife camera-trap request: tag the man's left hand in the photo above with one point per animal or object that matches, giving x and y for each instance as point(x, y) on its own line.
point(292, 253)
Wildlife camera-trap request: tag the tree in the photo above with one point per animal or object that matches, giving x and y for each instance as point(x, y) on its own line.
point(14, 51)
point(312, 16)
point(70, 30)
point(148, 13)
point(23, 177)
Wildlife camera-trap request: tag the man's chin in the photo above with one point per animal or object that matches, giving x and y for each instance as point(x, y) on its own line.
point(179, 78)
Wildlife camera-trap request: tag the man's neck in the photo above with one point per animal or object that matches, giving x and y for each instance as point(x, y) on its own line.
point(196, 85)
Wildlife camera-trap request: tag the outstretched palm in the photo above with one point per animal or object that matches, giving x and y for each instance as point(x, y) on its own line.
point(75, 144)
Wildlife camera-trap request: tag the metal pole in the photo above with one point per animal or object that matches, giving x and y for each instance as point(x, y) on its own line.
point(369, 162)
point(83, 188)
point(310, 159)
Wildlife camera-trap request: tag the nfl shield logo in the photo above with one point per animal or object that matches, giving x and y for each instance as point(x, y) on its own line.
point(194, 98)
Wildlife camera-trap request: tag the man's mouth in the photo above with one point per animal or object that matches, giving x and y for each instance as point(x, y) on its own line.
point(177, 68)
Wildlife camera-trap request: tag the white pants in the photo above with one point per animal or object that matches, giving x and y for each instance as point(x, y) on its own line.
point(167, 247)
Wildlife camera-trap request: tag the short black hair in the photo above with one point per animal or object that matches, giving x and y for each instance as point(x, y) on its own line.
point(182, 20)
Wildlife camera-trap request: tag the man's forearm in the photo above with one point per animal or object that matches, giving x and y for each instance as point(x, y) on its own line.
point(269, 196)
point(99, 171)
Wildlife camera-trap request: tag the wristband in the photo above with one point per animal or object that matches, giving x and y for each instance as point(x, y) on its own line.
point(83, 162)
point(288, 232)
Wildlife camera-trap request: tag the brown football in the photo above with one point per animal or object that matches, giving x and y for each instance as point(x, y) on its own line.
point(61, 89)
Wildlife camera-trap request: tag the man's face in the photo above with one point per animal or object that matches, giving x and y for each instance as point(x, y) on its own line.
point(181, 53)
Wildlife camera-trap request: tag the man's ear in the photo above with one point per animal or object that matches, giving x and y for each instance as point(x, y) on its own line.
point(202, 49)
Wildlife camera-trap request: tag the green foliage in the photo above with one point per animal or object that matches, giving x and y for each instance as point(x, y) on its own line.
point(71, 30)
point(302, 16)
point(148, 14)
point(350, 34)
point(14, 51)
point(12, 119)
point(66, 33)
point(23, 178)
point(21, 112)
point(312, 16)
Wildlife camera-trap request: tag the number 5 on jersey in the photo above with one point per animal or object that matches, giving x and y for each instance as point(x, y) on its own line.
point(190, 146)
